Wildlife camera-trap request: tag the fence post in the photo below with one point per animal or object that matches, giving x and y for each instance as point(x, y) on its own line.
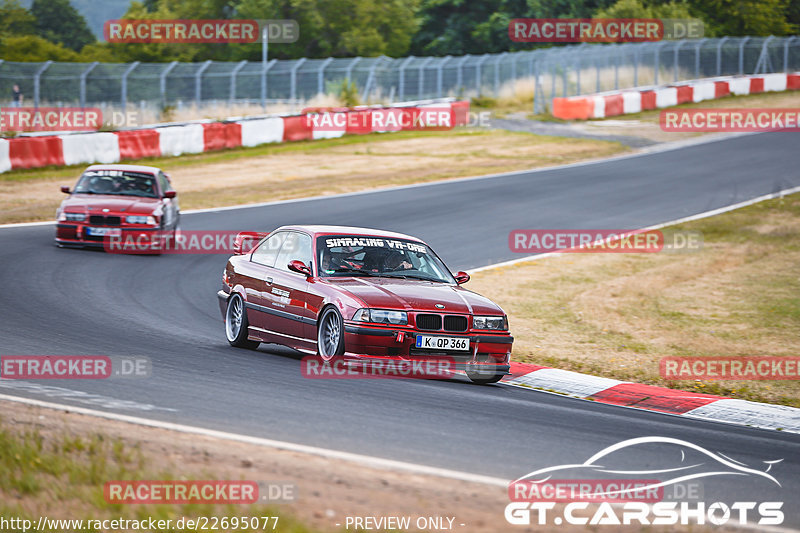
point(84, 74)
point(616, 67)
point(198, 80)
point(719, 55)
point(124, 88)
point(635, 66)
point(162, 81)
point(497, 72)
point(786, 53)
point(460, 71)
point(677, 49)
point(741, 54)
point(321, 76)
point(537, 98)
point(656, 61)
point(439, 70)
point(371, 78)
point(401, 78)
point(235, 71)
point(483, 58)
point(421, 77)
point(36, 82)
point(293, 86)
point(264, 69)
point(697, 58)
point(764, 64)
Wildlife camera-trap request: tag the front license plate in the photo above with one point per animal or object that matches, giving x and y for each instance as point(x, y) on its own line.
point(110, 232)
point(429, 342)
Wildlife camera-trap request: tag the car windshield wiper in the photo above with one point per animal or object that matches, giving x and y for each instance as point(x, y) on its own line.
point(354, 271)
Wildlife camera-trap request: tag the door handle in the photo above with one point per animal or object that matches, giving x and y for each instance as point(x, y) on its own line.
point(268, 281)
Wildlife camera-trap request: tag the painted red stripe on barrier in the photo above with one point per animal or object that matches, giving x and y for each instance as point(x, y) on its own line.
point(685, 94)
point(721, 88)
point(756, 85)
point(34, 152)
point(297, 128)
point(615, 105)
point(520, 369)
point(220, 135)
point(654, 398)
point(648, 100)
point(137, 144)
point(573, 108)
point(792, 81)
point(460, 113)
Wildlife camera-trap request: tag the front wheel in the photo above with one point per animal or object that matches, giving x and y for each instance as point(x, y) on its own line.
point(236, 324)
point(330, 334)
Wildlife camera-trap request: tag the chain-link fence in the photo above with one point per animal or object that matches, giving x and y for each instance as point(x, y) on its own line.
point(558, 71)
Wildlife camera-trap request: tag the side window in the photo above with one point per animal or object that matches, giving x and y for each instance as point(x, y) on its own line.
point(297, 246)
point(163, 183)
point(268, 249)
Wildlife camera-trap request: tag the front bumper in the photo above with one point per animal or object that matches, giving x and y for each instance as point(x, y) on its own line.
point(74, 235)
point(490, 352)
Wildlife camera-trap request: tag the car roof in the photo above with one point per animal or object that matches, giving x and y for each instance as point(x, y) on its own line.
point(132, 168)
point(350, 230)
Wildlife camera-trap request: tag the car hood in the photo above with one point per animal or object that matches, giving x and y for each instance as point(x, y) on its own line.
point(414, 295)
point(95, 203)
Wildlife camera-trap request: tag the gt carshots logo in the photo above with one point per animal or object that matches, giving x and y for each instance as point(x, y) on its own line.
point(627, 499)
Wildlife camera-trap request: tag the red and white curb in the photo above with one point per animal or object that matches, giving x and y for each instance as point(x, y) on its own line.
point(652, 398)
point(624, 101)
point(37, 151)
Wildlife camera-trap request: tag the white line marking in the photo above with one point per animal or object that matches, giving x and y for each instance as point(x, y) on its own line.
point(665, 147)
point(96, 400)
point(704, 214)
point(365, 460)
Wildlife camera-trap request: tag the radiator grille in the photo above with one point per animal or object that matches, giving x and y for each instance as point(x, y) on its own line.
point(429, 322)
point(455, 323)
point(102, 220)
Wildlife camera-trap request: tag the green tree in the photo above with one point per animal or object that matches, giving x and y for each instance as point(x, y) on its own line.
point(636, 9)
point(59, 22)
point(34, 48)
point(748, 17)
point(15, 19)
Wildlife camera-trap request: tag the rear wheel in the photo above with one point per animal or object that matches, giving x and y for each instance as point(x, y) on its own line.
point(330, 334)
point(236, 324)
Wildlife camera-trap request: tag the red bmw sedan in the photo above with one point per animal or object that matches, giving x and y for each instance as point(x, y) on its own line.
point(117, 202)
point(354, 294)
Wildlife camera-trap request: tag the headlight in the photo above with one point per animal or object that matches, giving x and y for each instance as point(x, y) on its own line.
point(499, 323)
point(382, 316)
point(72, 217)
point(141, 219)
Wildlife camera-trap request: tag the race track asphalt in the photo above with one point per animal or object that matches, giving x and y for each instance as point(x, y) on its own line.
point(62, 301)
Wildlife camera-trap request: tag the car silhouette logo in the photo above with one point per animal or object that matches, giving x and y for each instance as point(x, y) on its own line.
point(439, 306)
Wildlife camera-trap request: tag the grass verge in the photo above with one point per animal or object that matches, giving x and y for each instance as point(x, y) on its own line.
point(310, 168)
point(617, 315)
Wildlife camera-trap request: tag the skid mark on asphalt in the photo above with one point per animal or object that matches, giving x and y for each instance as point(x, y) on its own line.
point(96, 400)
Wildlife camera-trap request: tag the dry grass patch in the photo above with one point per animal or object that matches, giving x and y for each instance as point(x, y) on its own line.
point(617, 315)
point(334, 166)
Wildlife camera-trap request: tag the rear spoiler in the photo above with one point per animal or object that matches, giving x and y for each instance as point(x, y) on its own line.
point(247, 240)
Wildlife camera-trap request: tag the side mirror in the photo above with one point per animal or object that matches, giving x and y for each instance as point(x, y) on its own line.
point(461, 277)
point(245, 241)
point(170, 194)
point(299, 267)
point(65, 189)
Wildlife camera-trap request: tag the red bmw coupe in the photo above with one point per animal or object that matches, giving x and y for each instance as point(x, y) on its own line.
point(116, 201)
point(355, 293)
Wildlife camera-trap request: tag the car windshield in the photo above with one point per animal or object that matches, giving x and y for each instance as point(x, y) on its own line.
point(117, 182)
point(355, 255)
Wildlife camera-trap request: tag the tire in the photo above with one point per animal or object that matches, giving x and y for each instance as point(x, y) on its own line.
point(236, 324)
point(330, 334)
point(483, 379)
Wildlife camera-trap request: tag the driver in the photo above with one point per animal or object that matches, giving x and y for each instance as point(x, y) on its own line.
point(397, 261)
